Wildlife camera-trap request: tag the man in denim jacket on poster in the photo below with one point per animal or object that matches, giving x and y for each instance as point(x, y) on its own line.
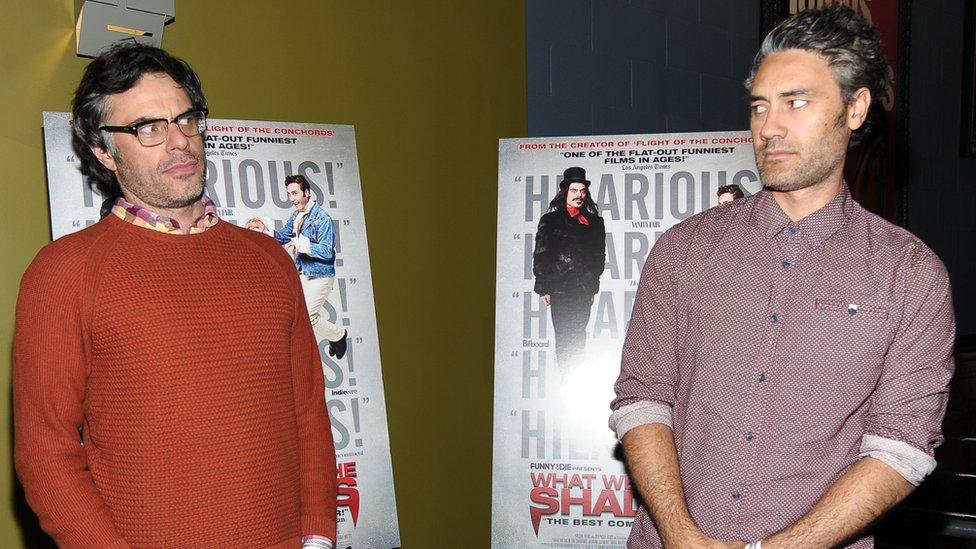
point(309, 237)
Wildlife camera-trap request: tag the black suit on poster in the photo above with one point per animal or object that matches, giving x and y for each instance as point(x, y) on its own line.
point(568, 260)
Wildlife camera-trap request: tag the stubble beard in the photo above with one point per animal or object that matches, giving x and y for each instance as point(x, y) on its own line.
point(812, 166)
point(149, 186)
point(809, 171)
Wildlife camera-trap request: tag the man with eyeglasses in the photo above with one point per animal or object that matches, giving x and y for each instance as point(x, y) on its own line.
point(147, 410)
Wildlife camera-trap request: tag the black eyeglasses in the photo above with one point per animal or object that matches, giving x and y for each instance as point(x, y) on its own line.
point(153, 132)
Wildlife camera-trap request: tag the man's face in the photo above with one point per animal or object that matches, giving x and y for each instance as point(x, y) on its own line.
point(166, 176)
point(800, 124)
point(576, 195)
point(297, 196)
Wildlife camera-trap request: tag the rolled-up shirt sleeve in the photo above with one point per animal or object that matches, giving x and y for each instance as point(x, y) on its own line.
point(639, 413)
point(903, 424)
point(649, 365)
point(907, 460)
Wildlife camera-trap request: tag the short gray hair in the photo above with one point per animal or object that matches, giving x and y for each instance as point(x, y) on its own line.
point(850, 45)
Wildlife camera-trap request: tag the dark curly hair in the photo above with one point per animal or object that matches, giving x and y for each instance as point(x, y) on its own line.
point(733, 188)
point(300, 180)
point(116, 71)
point(850, 45)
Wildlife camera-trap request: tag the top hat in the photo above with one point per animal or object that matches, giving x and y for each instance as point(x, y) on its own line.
point(573, 175)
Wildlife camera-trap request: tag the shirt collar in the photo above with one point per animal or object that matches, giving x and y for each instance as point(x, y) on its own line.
point(815, 228)
point(143, 217)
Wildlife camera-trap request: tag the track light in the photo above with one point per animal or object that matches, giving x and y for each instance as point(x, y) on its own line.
point(101, 23)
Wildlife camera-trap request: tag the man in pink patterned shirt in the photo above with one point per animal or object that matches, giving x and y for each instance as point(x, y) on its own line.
point(785, 371)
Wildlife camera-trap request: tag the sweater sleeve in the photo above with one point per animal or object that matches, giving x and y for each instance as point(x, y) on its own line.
point(317, 459)
point(49, 380)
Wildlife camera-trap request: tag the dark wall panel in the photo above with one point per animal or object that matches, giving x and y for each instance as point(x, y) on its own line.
point(942, 184)
point(619, 66)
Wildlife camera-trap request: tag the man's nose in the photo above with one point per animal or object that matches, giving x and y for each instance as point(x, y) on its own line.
point(773, 125)
point(175, 140)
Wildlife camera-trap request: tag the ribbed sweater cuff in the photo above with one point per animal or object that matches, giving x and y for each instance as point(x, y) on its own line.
point(313, 525)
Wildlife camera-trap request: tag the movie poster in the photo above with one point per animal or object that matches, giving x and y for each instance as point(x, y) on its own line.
point(247, 162)
point(557, 480)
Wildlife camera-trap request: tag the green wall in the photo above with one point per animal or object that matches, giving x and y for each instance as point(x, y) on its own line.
point(430, 87)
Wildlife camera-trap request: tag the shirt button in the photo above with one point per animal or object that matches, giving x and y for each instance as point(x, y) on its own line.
point(786, 264)
point(761, 377)
point(791, 229)
point(749, 437)
point(736, 495)
point(774, 318)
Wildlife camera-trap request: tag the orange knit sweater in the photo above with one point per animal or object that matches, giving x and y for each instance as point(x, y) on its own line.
point(168, 392)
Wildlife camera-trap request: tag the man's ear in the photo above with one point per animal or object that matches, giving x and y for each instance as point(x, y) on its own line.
point(104, 157)
point(857, 109)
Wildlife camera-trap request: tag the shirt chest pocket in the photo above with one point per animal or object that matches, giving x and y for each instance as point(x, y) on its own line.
point(852, 308)
point(831, 358)
point(852, 327)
